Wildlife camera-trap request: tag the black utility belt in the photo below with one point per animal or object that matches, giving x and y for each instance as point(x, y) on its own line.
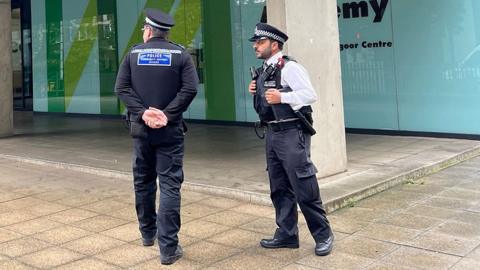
point(284, 125)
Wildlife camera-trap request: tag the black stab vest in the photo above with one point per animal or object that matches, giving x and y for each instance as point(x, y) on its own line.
point(276, 112)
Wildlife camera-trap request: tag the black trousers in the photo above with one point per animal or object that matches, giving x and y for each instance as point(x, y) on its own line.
point(161, 154)
point(293, 180)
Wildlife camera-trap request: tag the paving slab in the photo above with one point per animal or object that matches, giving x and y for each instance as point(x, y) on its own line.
point(466, 264)
point(445, 243)
point(366, 247)
point(205, 252)
point(87, 264)
point(61, 235)
point(248, 260)
point(183, 264)
point(93, 244)
point(50, 258)
point(127, 255)
point(33, 226)
point(337, 260)
point(419, 258)
point(22, 246)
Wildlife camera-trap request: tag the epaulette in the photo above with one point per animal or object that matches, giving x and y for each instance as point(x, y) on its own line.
point(176, 44)
point(289, 58)
point(135, 45)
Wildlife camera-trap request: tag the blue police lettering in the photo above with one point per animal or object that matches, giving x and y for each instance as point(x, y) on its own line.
point(154, 59)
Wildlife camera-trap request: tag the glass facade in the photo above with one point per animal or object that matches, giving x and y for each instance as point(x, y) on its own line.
point(407, 65)
point(78, 46)
point(411, 65)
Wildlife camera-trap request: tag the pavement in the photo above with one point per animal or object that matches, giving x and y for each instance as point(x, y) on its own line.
point(57, 218)
point(228, 161)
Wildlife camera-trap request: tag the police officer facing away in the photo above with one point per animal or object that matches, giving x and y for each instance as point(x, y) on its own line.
point(282, 91)
point(157, 81)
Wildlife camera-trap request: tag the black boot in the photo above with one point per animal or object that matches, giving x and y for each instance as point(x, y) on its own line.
point(170, 259)
point(291, 242)
point(148, 242)
point(323, 248)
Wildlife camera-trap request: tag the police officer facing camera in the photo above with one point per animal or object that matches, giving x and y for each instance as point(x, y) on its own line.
point(157, 81)
point(281, 91)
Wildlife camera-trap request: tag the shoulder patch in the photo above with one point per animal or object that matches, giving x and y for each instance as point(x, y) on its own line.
point(154, 59)
point(136, 45)
point(133, 48)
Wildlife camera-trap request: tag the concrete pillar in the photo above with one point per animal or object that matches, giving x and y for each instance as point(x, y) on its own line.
point(312, 28)
point(6, 92)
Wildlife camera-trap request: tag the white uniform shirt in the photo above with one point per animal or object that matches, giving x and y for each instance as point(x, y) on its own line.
point(296, 77)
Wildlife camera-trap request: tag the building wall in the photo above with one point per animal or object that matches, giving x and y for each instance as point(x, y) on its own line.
point(425, 74)
point(407, 65)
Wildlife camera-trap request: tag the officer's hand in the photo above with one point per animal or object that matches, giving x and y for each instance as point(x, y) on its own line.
point(149, 119)
point(273, 96)
point(161, 118)
point(252, 88)
point(154, 118)
point(159, 113)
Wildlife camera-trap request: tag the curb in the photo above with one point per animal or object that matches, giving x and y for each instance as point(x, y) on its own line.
point(344, 201)
point(264, 199)
point(248, 196)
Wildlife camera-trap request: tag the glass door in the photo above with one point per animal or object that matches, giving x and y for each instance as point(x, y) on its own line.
point(17, 59)
point(21, 55)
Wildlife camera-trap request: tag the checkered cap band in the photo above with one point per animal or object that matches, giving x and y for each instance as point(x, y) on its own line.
point(269, 34)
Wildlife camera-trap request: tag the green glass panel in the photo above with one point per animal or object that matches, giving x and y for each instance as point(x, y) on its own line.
point(108, 55)
point(219, 80)
point(194, 44)
point(55, 79)
point(187, 22)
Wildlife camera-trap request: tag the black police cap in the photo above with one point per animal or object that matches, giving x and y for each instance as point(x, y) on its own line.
point(158, 19)
point(263, 31)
